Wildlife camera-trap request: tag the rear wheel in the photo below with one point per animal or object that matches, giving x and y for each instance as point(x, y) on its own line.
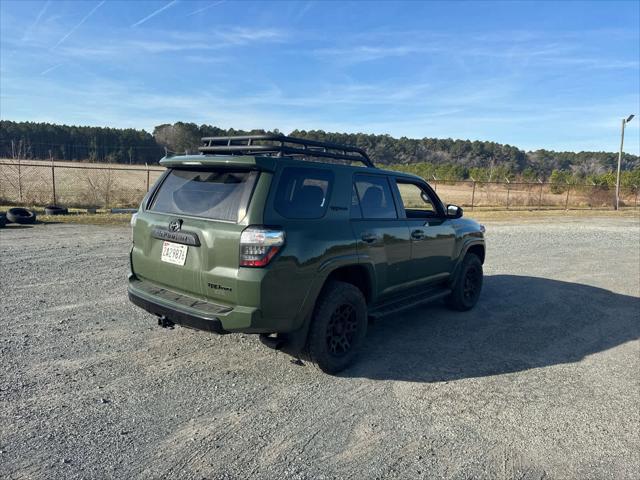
point(338, 327)
point(468, 285)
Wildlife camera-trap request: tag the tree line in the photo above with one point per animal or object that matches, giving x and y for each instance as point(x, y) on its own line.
point(445, 159)
point(44, 141)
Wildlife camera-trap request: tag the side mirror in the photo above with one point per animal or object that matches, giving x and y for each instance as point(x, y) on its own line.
point(454, 211)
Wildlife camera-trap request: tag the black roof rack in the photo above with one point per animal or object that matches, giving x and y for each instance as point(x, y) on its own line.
point(283, 145)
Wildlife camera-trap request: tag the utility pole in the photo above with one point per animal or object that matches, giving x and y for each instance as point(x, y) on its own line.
point(624, 122)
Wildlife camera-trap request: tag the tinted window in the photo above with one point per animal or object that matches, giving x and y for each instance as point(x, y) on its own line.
point(375, 197)
point(216, 194)
point(303, 192)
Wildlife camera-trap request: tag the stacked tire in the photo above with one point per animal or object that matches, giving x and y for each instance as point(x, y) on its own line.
point(55, 210)
point(21, 216)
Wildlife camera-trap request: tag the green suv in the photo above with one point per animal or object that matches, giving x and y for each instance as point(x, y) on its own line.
point(298, 241)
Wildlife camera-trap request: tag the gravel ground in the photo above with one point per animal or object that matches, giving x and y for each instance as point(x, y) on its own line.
point(541, 380)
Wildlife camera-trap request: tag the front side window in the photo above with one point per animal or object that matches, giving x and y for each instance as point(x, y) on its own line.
point(217, 194)
point(415, 198)
point(303, 192)
point(376, 201)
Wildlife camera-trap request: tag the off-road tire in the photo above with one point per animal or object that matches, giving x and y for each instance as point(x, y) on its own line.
point(339, 320)
point(468, 284)
point(21, 216)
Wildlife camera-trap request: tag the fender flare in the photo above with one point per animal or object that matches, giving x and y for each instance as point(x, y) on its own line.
point(463, 252)
point(297, 339)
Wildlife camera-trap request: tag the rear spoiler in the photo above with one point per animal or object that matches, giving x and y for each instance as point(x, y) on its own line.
point(226, 161)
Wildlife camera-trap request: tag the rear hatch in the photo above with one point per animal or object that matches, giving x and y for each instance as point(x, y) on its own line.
point(187, 239)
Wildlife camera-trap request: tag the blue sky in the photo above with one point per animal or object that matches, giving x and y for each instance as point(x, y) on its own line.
point(534, 75)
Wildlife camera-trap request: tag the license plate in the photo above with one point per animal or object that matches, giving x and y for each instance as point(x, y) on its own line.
point(174, 253)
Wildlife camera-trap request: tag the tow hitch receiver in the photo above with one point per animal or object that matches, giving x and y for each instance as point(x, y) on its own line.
point(164, 322)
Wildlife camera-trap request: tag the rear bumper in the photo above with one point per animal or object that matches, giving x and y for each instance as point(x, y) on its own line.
point(184, 319)
point(193, 313)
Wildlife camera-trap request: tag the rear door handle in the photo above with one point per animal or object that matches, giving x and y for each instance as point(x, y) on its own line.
point(369, 237)
point(417, 234)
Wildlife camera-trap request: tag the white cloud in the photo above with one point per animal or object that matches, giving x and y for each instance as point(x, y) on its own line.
point(51, 69)
point(119, 46)
point(35, 23)
point(205, 8)
point(154, 13)
point(79, 24)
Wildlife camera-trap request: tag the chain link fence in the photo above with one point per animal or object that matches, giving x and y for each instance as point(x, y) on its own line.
point(83, 185)
point(74, 185)
point(533, 195)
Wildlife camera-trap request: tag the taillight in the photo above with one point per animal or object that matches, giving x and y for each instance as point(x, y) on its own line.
point(258, 245)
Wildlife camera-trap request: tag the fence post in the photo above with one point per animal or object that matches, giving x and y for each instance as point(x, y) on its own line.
point(147, 166)
point(53, 182)
point(636, 195)
point(473, 194)
point(435, 184)
point(566, 202)
point(540, 196)
point(508, 193)
point(508, 190)
point(20, 179)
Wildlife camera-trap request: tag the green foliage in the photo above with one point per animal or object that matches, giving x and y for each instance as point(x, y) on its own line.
point(560, 180)
point(445, 159)
point(529, 175)
point(631, 179)
point(63, 142)
point(603, 180)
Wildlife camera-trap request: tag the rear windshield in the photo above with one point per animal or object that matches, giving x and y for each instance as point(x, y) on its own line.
point(216, 194)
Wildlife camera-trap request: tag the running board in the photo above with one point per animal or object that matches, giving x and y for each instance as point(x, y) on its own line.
point(397, 305)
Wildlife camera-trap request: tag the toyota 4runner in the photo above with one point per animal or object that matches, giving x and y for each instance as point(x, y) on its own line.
point(289, 239)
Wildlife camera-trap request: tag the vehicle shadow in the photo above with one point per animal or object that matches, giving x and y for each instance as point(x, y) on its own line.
point(520, 323)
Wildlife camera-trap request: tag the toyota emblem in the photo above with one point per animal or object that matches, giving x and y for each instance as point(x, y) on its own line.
point(175, 225)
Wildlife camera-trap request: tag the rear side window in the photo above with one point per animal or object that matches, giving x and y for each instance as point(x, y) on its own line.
point(303, 192)
point(376, 201)
point(218, 194)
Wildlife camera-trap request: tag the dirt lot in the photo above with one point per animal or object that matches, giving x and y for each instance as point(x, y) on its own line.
point(541, 380)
